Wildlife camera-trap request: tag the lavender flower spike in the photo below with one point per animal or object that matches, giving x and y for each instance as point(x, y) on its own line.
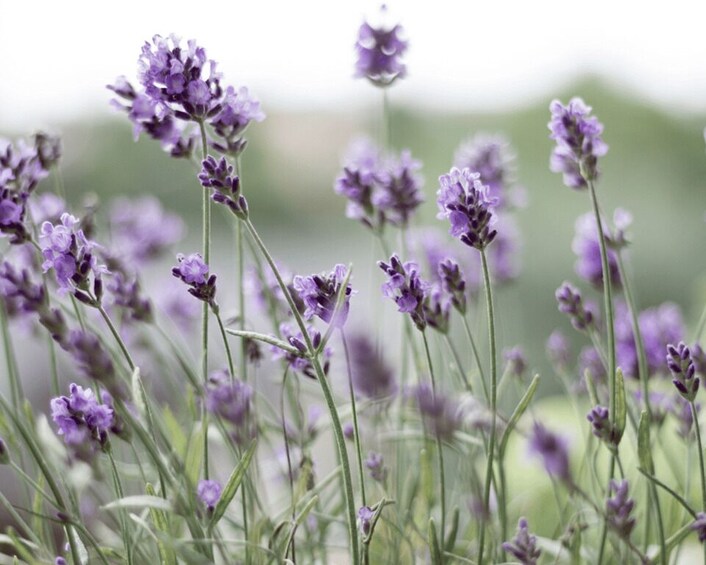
point(453, 282)
point(599, 417)
point(465, 201)
point(571, 303)
point(218, 175)
point(320, 295)
point(376, 465)
point(380, 51)
point(579, 143)
point(209, 493)
point(619, 509)
point(699, 526)
point(406, 288)
point(194, 272)
point(683, 370)
point(553, 450)
point(523, 546)
point(371, 376)
point(231, 400)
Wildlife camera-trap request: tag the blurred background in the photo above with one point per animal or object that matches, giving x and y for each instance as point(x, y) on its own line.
point(473, 67)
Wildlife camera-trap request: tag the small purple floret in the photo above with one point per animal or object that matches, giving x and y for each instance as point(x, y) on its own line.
point(523, 546)
point(209, 493)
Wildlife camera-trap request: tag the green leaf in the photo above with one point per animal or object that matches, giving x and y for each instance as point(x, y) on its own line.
point(436, 558)
point(453, 532)
point(161, 522)
point(140, 501)
point(592, 394)
point(518, 412)
point(236, 477)
point(643, 443)
point(621, 406)
point(297, 522)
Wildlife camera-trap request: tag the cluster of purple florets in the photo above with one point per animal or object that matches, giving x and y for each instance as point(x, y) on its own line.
point(322, 293)
point(192, 270)
point(380, 49)
point(179, 83)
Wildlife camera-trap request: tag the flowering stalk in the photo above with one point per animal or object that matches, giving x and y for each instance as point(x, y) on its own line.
point(699, 446)
point(493, 398)
point(326, 389)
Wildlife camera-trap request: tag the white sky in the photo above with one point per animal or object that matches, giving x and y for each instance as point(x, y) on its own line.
point(58, 55)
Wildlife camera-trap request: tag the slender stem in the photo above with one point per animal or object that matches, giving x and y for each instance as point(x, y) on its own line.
point(386, 129)
point(439, 450)
point(476, 356)
point(326, 389)
point(700, 447)
point(493, 398)
point(11, 361)
point(457, 360)
point(119, 491)
point(356, 429)
point(116, 335)
point(700, 326)
point(290, 472)
point(226, 345)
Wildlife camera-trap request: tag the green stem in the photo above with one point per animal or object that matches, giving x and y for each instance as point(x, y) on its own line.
point(119, 491)
point(231, 367)
point(476, 356)
point(118, 339)
point(439, 450)
point(493, 398)
point(326, 389)
point(11, 361)
point(700, 326)
point(457, 360)
point(356, 429)
point(700, 447)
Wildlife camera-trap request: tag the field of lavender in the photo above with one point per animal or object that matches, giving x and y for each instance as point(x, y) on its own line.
point(462, 379)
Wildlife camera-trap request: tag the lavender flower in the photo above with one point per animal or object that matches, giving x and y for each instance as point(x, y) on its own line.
point(558, 350)
point(209, 493)
point(126, 293)
point(301, 362)
point(320, 294)
point(681, 410)
point(92, 359)
point(437, 307)
point(516, 361)
point(400, 193)
point(48, 149)
point(365, 517)
point(194, 272)
point(571, 303)
point(46, 207)
point(406, 288)
point(371, 376)
point(376, 465)
point(579, 143)
point(380, 50)
point(553, 450)
point(268, 293)
point(142, 229)
point(603, 429)
point(464, 200)
point(231, 400)
point(699, 526)
point(66, 249)
point(21, 167)
point(587, 248)
point(82, 420)
point(683, 371)
point(441, 415)
point(619, 509)
point(590, 360)
point(238, 109)
point(218, 175)
point(12, 216)
point(453, 283)
point(523, 546)
point(492, 158)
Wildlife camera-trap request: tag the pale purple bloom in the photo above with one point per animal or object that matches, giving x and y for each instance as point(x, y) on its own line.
point(299, 362)
point(380, 50)
point(372, 377)
point(59, 561)
point(142, 229)
point(406, 288)
point(504, 254)
point(238, 109)
point(558, 350)
point(464, 200)
point(219, 176)
point(365, 516)
point(523, 546)
point(516, 361)
point(699, 526)
point(194, 272)
point(320, 295)
point(349, 430)
point(125, 292)
point(268, 293)
point(619, 508)
point(587, 248)
point(602, 427)
point(66, 249)
point(209, 493)
point(683, 371)
point(590, 360)
point(82, 420)
point(12, 216)
point(437, 308)
point(46, 207)
point(94, 361)
point(453, 283)
point(442, 415)
point(579, 143)
point(177, 305)
point(376, 465)
point(571, 303)
point(492, 157)
point(231, 400)
point(400, 188)
point(21, 167)
point(48, 149)
point(552, 449)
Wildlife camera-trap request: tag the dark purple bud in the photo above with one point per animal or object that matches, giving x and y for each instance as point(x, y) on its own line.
point(682, 368)
point(523, 546)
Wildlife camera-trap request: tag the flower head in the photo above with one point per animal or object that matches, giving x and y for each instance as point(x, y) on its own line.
point(552, 449)
point(619, 508)
point(603, 428)
point(587, 248)
point(464, 200)
point(453, 283)
point(524, 545)
point(516, 361)
point(231, 400)
point(238, 109)
point(300, 361)
point(380, 50)
point(442, 415)
point(558, 350)
point(194, 272)
point(320, 294)
point(578, 142)
point(699, 526)
point(371, 375)
point(683, 371)
point(571, 303)
point(406, 288)
point(218, 176)
point(209, 493)
point(376, 465)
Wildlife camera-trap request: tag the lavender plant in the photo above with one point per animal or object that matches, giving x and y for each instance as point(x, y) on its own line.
point(173, 446)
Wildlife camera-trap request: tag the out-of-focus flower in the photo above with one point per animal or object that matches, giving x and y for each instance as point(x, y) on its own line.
point(442, 416)
point(320, 294)
point(588, 252)
point(558, 350)
point(231, 400)
point(376, 465)
point(371, 376)
point(380, 49)
point(571, 303)
point(209, 493)
point(523, 546)
point(553, 451)
point(619, 509)
point(516, 361)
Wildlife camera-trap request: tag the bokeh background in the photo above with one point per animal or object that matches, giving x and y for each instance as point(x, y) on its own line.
point(473, 67)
